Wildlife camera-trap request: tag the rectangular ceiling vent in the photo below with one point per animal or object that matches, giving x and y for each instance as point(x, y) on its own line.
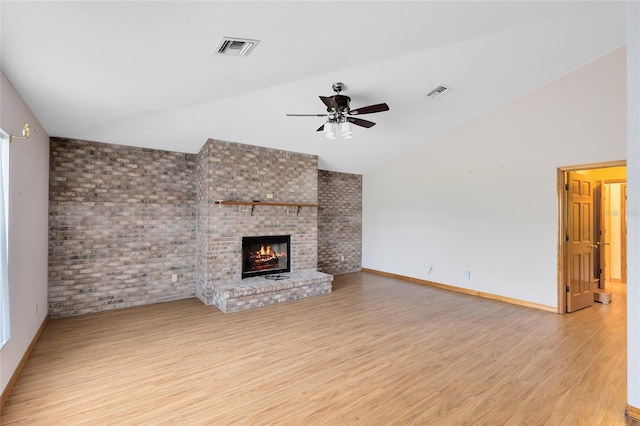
point(233, 46)
point(438, 92)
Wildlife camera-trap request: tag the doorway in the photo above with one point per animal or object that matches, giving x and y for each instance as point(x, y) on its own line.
point(591, 231)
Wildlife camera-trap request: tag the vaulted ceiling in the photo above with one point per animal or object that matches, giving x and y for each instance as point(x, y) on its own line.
point(146, 73)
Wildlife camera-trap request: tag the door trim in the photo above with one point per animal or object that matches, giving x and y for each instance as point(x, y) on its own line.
point(623, 225)
point(623, 229)
point(562, 212)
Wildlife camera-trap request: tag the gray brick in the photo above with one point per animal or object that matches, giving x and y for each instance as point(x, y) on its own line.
point(339, 222)
point(122, 220)
point(118, 210)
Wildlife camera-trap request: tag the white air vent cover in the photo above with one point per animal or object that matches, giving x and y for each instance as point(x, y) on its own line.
point(233, 46)
point(439, 92)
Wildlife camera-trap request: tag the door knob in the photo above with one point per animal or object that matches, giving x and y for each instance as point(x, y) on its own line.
point(600, 243)
point(593, 246)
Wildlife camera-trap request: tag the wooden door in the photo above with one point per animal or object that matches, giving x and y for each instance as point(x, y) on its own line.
point(580, 247)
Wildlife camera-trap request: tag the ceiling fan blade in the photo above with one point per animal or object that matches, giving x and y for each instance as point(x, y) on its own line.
point(370, 109)
point(320, 129)
point(330, 102)
point(361, 122)
point(306, 115)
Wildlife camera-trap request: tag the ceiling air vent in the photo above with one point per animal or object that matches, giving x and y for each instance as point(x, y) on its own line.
point(438, 92)
point(232, 46)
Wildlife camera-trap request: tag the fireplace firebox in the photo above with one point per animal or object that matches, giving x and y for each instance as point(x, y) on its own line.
point(270, 254)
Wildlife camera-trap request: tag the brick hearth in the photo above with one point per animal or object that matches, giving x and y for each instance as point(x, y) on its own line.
point(255, 292)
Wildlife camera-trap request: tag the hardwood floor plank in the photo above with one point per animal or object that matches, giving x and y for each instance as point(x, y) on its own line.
point(377, 350)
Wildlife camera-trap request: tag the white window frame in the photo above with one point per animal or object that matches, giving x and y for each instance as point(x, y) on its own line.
point(5, 317)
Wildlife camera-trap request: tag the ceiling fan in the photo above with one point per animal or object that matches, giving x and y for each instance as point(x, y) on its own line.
point(340, 114)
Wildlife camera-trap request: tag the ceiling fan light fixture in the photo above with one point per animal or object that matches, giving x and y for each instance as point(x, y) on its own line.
point(345, 129)
point(330, 130)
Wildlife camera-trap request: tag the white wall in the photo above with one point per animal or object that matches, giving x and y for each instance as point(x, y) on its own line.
point(633, 205)
point(483, 198)
point(28, 227)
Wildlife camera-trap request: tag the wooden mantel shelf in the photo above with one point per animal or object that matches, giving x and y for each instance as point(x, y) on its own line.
point(266, 203)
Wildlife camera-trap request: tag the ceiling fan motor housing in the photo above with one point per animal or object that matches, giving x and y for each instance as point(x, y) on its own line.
point(342, 103)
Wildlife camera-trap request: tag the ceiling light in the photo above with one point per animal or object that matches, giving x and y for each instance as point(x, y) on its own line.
point(330, 130)
point(334, 124)
point(345, 129)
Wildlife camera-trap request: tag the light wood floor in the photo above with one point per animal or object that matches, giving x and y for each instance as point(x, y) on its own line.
point(377, 351)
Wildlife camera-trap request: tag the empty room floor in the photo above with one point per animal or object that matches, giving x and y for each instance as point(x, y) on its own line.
point(375, 351)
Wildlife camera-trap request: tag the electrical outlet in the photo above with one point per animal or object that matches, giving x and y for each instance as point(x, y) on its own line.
point(174, 277)
point(36, 308)
point(343, 258)
point(467, 275)
point(269, 196)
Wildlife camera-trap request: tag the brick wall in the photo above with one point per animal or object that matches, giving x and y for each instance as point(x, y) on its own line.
point(339, 222)
point(204, 196)
point(121, 223)
point(123, 220)
point(243, 173)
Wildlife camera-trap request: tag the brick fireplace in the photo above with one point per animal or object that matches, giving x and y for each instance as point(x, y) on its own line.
point(236, 172)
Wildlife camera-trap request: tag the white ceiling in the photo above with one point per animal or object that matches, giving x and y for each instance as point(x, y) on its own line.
point(144, 73)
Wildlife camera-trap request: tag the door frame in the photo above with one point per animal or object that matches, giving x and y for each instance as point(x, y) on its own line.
point(623, 227)
point(623, 230)
point(562, 217)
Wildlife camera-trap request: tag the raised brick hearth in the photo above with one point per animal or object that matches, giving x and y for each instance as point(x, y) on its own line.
point(255, 292)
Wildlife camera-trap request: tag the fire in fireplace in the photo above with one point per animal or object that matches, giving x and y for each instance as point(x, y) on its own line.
point(265, 255)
